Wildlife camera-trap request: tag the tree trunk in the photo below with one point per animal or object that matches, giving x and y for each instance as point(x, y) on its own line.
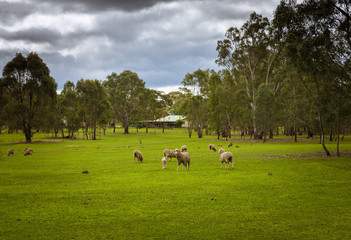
point(199, 133)
point(147, 128)
point(322, 133)
point(126, 129)
point(338, 135)
point(190, 131)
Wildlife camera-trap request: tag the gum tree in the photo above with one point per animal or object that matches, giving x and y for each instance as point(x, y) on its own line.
point(30, 92)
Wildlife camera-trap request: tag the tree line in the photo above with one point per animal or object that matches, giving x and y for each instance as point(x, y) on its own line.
point(291, 72)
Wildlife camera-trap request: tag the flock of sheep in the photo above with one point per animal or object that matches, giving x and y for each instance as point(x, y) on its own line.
point(183, 156)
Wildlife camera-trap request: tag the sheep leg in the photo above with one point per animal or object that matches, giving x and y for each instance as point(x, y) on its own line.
point(178, 166)
point(188, 165)
point(184, 164)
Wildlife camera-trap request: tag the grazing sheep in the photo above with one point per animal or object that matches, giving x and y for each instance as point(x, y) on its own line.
point(226, 157)
point(167, 153)
point(28, 151)
point(220, 151)
point(137, 154)
point(11, 152)
point(230, 144)
point(184, 148)
point(212, 147)
point(182, 158)
point(164, 161)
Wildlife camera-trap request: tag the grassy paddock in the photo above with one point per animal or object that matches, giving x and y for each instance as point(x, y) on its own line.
point(277, 190)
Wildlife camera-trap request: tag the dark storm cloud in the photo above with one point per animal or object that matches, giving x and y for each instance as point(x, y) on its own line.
point(11, 12)
point(93, 5)
point(159, 40)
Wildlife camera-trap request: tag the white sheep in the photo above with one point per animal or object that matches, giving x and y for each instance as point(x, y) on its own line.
point(167, 153)
point(226, 157)
point(164, 161)
point(11, 152)
point(212, 147)
point(183, 158)
point(28, 151)
point(137, 154)
point(184, 148)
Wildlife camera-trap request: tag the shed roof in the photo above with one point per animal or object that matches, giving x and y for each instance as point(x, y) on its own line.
point(170, 118)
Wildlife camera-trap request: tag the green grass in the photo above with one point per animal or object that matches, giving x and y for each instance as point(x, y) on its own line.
point(272, 193)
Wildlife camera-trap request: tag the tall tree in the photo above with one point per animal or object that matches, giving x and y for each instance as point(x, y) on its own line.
point(197, 98)
point(93, 99)
point(72, 111)
point(30, 92)
point(248, 53)
point(314, 37)
point(126, 92)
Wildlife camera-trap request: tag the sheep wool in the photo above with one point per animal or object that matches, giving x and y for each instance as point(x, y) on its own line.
point(225, 157)
point(167, 153)
point(28, 151)
point(183, 158)
point(137, 154)
point(184, 148)
point(11, 152)
point(212, 147)
point(164, 161)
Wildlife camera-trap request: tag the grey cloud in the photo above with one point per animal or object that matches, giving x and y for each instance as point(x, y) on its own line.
point(11, 12)
point(101, 5)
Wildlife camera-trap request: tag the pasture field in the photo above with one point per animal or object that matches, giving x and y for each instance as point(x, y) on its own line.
point(277, 190)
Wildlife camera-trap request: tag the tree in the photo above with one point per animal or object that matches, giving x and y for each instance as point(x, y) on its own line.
point(315, 38)
point(249, 53)
point(264, 112)
point(72, 111)
point(30, 92)
point(196, 101)
point(126, 92)
point(93, 100)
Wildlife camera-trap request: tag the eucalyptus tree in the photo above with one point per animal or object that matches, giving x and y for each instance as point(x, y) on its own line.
point(72, 111)
point(314, 37)
point(30, 93)
point(93, 100)
point(249, 53)
point(196, 87)
point(126, 93)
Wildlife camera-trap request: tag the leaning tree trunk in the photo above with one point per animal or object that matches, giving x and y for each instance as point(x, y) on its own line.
point(322, 133)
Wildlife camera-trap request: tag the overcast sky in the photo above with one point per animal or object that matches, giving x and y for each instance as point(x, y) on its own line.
point(160, 40)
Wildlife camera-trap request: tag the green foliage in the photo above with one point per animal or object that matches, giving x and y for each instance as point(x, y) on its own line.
point(126, 93)
point(30, 94)
point(93, 100)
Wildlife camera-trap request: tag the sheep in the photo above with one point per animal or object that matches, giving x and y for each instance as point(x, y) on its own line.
point(164, 161)
point(226, 157)
point(212, 147)
point(28, 151)
point(230, 144)
point(137, 154)
point(11, 152)
point(184, 148)
point(182, 158)
point(167, 153)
